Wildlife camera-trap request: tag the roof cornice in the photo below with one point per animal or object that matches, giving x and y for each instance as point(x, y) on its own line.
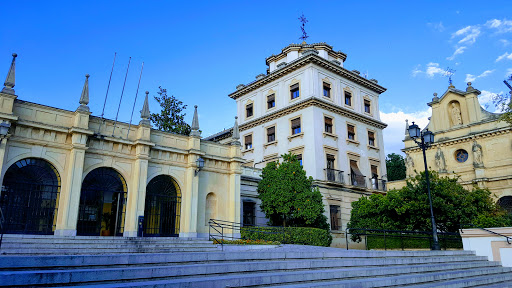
point(300, 62)
point(313, 101)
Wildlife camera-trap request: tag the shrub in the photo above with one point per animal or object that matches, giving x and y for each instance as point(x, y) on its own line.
point(245, 242)
point(289, 235)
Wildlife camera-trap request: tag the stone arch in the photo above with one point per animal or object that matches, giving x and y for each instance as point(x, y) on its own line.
point(114, 167)
point(505, 202)
point(162, 207)
point(102, 205)
point(170, 173)
point(30, 196)
point(210, 211)
point(56, 164)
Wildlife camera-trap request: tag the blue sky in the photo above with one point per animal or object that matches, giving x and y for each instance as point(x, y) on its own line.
point(199, 51)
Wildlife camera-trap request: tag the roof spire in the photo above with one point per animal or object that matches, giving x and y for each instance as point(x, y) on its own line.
point(406, 128)
point(195, 124)
point(144, 113)
point(236, 133)
point(10, 79)
point(304, 36)
point(84, 98)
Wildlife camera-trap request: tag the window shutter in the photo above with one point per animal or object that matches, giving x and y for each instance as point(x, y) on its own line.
point(374, 170)
point(271, 130)
point(351, 129)
point(271, 98)
point(354, 168)
point(328, 120)
point(248, 139)
point(294, 86)
point(371, 135)
point(295, 123)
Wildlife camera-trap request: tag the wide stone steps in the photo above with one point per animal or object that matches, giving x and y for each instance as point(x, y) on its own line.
point(288, 266)
point(52, 245)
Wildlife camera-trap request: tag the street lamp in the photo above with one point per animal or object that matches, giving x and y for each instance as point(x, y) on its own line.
point(199, 165)
point(427, 138)
point(4, 129)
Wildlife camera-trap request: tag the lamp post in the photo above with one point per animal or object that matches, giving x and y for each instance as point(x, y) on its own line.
point(426, 139)
point(199, 165)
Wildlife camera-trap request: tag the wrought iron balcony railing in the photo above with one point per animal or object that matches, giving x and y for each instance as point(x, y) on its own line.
point(357, 180)
point(334, 175)
point(378, 184)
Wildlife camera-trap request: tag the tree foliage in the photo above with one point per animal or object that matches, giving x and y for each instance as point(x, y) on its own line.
point(504, 104)
point(395, 166)
point(171, 118)
point(409, 209)
point(288, 197)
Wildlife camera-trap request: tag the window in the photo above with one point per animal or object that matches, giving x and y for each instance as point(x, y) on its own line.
point(356, 177)
point(330, 161)
point(375, 177)
point(299, 157)
point(327, 90)
point(371, 138)
point(249, 213)
point(330, 168)
point(461, 155)
point(328, 124)
point(294, 91)
point(348, 98)
point(351, 132)
point(296, 126)
point(335, 217)
point(248, 110)
point(271, 101)
point(248, 142)
point(367, 107)
point(271, 134)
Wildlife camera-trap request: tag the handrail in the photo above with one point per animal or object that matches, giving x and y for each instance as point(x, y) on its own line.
point(487, 230)
point(2, 221)
point(218, 230)
point(393, 234)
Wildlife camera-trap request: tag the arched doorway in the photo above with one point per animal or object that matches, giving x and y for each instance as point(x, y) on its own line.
point(102, 203)
point(505, 202)
point(30, 197)
point(162, 207)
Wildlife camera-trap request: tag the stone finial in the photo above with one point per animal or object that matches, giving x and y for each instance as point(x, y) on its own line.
point(435, 99)
point(235, 137)
point(144, 113)
point(195, 124)
point(406, 128)
point(469, 88)
point(84, 98)
point(11, 77)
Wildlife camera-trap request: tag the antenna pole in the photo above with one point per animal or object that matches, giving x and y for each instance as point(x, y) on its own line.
point(108, 87)
point(122, 92)
point(135, 101)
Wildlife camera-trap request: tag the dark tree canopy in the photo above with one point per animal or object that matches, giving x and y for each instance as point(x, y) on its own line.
point(409, 209)
point(395, 166)
point(171, 118)
point(288, 197)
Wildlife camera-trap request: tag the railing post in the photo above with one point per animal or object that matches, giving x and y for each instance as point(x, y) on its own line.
point(402, 240)
point(346, 236)
point(366, 239)
point(385, 243)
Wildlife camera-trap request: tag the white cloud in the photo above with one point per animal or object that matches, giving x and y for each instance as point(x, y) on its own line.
point(508, 73)
point(471, 78)
point(431, 70)
point(500, 26)
point(469, 34)
point(458, 51)
point(395, 132)
point(437, 26)
point(504, 56)
point(485, 100)
point(505, 42)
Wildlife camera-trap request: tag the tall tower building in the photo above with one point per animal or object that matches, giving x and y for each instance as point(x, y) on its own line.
point(308, 104)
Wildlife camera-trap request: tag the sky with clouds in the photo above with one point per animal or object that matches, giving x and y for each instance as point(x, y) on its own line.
point(201, 51)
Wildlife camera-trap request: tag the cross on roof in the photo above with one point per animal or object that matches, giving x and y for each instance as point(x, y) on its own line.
point(303, 20)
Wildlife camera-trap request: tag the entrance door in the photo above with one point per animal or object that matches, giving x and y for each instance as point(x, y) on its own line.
point(30, 196)
point(102, 203)
point(162, 207)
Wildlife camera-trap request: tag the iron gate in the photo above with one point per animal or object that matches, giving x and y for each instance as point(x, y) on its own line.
point(162, 207)
point(29, 197)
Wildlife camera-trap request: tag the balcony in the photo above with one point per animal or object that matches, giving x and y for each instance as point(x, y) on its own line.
point(378, 184)
point(333, 175)
point(357, 180)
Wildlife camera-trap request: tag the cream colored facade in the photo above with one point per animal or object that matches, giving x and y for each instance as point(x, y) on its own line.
point(76, 143)
point(470, 143)
point(316, 72)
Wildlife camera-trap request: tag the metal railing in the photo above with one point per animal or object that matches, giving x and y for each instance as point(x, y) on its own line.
point(2, 221)
point(403, 236)
point(221, 230)
point(357, 180)
point(334, 175)
point(487, 230)
point(378, 184)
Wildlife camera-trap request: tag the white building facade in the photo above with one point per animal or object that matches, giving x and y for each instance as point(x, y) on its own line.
point(309, 105)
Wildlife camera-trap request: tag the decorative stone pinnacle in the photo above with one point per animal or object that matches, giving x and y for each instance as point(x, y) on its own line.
point(144, 113)
point(84, 98)
point(195, 124)
point(235, 137)
point(406, 127)
point(11, 77)
point(469, 88)
point(435, 98)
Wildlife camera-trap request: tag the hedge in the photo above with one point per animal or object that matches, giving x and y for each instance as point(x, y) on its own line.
point(395, 242)
point(289, 235)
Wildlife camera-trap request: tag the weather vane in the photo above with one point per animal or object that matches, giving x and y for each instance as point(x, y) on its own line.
point(449, 73)
point(303, 20)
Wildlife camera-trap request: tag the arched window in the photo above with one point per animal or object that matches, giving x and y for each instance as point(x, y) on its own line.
point(30, 197)
point(162, 207)
point(505, 202)
point(102, 203)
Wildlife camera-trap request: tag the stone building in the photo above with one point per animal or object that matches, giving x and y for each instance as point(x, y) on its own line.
point(308, 104)
point(70, 173)
point(470, 142)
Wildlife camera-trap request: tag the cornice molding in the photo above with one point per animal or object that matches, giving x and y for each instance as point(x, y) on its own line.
point(301, 62)
point(313, 101)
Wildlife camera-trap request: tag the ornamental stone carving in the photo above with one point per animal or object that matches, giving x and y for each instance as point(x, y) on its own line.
point(440, 162)
point(456, 117)
point(477, 155)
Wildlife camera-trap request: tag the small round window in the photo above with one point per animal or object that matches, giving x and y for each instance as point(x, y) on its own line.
point(461, 155)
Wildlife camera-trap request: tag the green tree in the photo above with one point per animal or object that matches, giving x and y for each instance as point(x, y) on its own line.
point(395, 166)
point(288, 197)
point(171, 118)
point(504, 104)
point(409, 209)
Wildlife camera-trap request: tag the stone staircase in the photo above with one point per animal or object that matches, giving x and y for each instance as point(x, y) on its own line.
point(61, 245)
point(286, 266)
